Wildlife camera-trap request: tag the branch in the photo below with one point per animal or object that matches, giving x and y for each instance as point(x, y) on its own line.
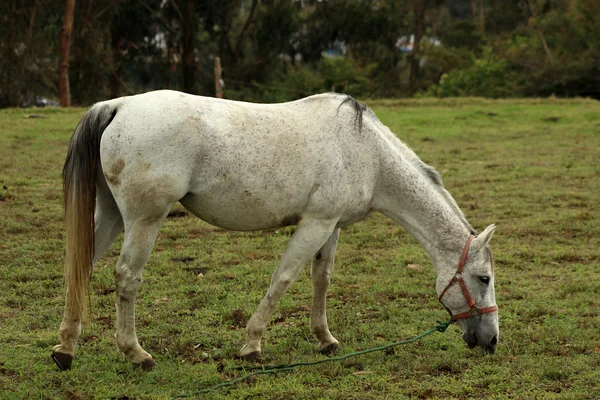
point(105, 9)
point(539, 31)
point(545, 45)
point(158, 17)
point(31, 24)
point(238, 47)
point(121, 82)
point(177, 9)
point(226, 23)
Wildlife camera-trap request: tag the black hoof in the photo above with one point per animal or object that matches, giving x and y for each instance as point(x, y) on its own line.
point(62, 360)
point(251, 357)
point(146, 365)
point(330, 349)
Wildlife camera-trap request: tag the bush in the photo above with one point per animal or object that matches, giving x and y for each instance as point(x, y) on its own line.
point(488, 76)
point(345, 75)
point(330, 74)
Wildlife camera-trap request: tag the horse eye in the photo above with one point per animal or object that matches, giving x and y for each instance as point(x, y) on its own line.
point(484, 279)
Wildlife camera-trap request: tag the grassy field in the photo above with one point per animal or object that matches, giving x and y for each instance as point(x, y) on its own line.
point(531, 167)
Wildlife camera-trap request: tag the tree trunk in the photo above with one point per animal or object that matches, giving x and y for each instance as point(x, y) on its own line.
point(238, 47)
point(227, 16)
point(533, 15)
point(188, 47)
point(36, 5)
point(493, 21)
point(10, 58)
point(167, 83)
point(65, 44)
point(115, 83)
point(419, 10)
point(481, 17)
point(218, 86)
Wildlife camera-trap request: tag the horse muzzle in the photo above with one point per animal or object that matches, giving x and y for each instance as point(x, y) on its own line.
point(486, 339)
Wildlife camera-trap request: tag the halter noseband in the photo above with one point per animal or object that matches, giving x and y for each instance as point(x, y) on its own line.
point(473, 309)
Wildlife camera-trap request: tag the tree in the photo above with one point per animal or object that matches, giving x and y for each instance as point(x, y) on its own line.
point(277, 50)
point(27, 51)
point(188, 20)
point(419, 9)
point(65, 45)
point(419, 15)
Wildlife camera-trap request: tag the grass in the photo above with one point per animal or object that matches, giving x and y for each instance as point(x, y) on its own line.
point(530, 166)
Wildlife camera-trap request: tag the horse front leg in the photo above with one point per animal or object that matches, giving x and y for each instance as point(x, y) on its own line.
point(309, 237)
point(322, 269)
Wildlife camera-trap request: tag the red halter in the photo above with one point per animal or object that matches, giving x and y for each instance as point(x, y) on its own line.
point(473, 309)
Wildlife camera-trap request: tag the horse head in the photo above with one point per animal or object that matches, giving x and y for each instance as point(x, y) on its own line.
point(467, 292)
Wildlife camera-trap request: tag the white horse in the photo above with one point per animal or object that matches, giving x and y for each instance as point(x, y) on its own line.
point(321, 163)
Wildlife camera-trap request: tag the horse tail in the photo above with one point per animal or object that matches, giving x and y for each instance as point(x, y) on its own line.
point(79, 189)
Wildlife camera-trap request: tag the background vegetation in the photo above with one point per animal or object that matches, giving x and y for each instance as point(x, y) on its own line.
point(272, 50)
point(530, 166)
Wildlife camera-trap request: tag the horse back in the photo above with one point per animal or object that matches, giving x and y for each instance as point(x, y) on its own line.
point(240, 165)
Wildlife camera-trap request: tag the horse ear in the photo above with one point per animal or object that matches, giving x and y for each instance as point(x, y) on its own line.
point(484, 237)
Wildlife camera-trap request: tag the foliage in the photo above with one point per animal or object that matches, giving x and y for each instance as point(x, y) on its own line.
point(571, 66)
point(530, 166)
point(330, 74)
point(555, 51)
point(344, 75)
point(538, 48)
point(487, 76)
point(27, 58)
point(462, 34)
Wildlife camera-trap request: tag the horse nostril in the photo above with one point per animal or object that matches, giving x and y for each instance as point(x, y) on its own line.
point(494, 340)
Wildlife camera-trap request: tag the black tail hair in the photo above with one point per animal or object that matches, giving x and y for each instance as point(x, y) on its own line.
point(79, 187)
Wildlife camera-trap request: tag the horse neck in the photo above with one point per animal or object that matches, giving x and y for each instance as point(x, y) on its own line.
point(412, 200)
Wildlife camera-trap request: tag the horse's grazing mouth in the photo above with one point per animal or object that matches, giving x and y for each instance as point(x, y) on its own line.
point(473, 341)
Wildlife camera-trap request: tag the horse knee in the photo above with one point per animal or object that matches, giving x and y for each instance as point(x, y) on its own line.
point(127, 283)
point(285, 279)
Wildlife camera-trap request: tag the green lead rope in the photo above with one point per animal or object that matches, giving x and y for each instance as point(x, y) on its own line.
point(273, 369)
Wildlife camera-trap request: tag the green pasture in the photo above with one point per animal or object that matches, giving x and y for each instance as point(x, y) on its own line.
point(530, 166)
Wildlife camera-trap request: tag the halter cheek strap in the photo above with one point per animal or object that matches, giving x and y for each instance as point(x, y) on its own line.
point(473, 309)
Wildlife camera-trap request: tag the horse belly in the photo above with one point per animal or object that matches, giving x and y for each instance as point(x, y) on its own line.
point(243, 211)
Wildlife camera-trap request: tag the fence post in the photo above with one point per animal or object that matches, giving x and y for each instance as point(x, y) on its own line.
point(218, 80)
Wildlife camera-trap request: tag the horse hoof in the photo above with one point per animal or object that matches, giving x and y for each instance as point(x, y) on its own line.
point(62, 360)
point(146, 365)
point(251, 357)
point(330, 349)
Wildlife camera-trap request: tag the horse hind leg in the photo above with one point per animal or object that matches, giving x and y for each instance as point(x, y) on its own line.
point(322, 269)
point(144, 203)
point(310, 236)
point(140, 236)
point(108, 224)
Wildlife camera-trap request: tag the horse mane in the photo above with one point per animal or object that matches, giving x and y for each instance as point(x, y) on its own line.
point(359, 109)
point(430, 173)
point(434, 177)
